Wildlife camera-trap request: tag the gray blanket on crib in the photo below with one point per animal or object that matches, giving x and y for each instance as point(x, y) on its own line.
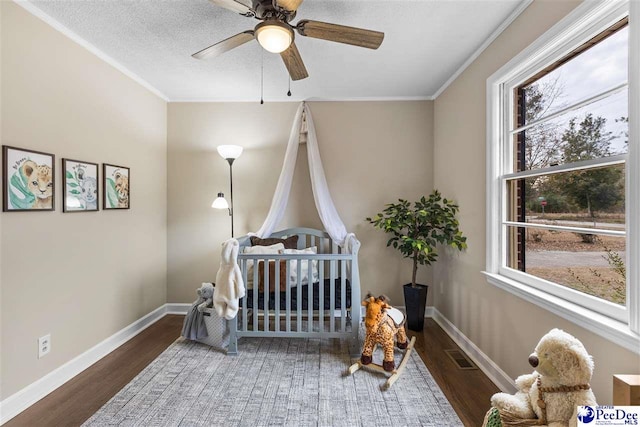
point(193, 327)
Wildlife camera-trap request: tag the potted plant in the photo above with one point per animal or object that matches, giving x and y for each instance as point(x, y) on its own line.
point(416, 231)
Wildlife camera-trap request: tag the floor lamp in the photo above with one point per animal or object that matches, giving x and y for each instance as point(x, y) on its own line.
point(229, 153)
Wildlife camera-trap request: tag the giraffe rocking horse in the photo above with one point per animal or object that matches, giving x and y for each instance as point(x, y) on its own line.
point(383, 324)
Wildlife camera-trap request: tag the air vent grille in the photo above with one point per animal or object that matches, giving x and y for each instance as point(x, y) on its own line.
point(460, 359)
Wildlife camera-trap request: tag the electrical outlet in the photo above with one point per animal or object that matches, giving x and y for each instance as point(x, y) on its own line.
point(44, 345)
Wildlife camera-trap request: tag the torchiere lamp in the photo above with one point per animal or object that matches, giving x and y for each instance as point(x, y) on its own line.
point(229, 153)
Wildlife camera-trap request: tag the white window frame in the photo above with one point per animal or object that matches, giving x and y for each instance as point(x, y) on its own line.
point(617, 324)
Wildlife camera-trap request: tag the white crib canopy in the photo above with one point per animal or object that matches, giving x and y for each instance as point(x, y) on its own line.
point(304, 131)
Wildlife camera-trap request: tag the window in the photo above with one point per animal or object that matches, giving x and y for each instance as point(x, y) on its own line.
point(561, 158)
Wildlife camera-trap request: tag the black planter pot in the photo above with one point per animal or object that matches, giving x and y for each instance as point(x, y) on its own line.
point(415, 300)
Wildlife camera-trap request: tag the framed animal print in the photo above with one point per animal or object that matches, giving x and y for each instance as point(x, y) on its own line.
point(28, 179)
point(116, 187)
point(80, 184)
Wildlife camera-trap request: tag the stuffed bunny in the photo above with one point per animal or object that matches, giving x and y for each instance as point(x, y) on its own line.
point(229, 284)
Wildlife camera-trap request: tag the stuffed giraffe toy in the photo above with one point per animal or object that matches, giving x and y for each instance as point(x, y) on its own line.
point(381, 329)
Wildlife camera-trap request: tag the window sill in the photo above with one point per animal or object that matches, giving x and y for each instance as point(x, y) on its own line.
point(610, 329)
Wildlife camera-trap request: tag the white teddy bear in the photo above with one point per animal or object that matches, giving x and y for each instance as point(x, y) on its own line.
point(551, 394)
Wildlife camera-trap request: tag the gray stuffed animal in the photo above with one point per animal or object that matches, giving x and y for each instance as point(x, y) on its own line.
point(194, 327)
point(205, 293)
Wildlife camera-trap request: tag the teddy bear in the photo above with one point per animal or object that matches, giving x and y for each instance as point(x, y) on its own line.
point(194, 327)
point(551, 394)
point(205, 296)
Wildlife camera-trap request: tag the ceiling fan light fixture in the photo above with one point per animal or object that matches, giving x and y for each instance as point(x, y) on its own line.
point(274, 36)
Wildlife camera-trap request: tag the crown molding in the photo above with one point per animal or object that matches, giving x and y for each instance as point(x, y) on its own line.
point(312, 99)
point(35, 11)
point(523, 5)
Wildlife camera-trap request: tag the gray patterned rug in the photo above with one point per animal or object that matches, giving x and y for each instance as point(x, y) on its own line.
point(274, 382)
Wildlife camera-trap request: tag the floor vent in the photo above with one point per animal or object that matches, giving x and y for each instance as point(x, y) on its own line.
point(460, 359)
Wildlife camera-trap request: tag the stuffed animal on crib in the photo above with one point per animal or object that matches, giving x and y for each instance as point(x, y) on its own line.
point(550, 395)
point(229, 284)
point(381, 328)
point(205, 295)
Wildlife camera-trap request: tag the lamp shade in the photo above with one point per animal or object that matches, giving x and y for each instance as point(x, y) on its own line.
point(229, 151)
point(220, 202)
point(274, 36)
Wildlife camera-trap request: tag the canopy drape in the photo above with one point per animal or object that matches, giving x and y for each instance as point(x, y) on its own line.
point(303, 130)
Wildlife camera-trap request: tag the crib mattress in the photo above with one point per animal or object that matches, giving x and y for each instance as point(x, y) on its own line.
point(305, 297)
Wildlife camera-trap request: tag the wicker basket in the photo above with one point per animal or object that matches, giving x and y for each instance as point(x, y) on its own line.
point(218, 330)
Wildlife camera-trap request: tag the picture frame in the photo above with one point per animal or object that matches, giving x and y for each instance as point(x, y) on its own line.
point(80, 186)
point(116, 187)
point(28, 180)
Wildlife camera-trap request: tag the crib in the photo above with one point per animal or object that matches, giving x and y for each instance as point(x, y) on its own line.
point(326, 308)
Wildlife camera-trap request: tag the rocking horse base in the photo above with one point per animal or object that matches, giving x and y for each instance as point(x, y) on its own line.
point(378, 368)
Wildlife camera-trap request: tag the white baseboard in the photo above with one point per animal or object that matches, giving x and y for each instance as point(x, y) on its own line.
point(21, 400)
point(177, 308)
point(488, 366)
point(18, 402)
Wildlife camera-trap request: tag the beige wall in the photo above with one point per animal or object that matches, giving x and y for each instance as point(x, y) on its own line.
point(84, 276)
point(505, 327)
point(1, 292)
point(373, 153)
point(59, 98)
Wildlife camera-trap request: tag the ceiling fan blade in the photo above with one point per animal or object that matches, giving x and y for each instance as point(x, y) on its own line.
point(242, 7)
point(340, 33)
point(293, 62)
point(224, 46)
point(290, 5)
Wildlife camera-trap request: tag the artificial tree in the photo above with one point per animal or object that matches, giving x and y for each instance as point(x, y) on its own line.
point(416, 232)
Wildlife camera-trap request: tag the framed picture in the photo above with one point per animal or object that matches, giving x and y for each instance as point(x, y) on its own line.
point(116, 187)
point(80, 183)
point(28, 180)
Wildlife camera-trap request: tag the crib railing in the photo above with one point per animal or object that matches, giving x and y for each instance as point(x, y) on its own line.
point(291, 312)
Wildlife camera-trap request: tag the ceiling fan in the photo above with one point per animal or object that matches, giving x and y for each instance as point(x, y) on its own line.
point(275, 33)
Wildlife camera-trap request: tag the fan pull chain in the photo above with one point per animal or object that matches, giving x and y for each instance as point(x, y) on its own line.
point(289, 93)
point(262, 77)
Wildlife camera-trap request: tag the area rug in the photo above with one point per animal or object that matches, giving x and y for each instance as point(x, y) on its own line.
point(274, 382)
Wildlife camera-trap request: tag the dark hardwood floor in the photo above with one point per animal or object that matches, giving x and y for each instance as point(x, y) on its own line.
point(74, 402)
point(469, 391)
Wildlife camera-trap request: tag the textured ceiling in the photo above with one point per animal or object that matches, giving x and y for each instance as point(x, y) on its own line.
point(426, 41)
